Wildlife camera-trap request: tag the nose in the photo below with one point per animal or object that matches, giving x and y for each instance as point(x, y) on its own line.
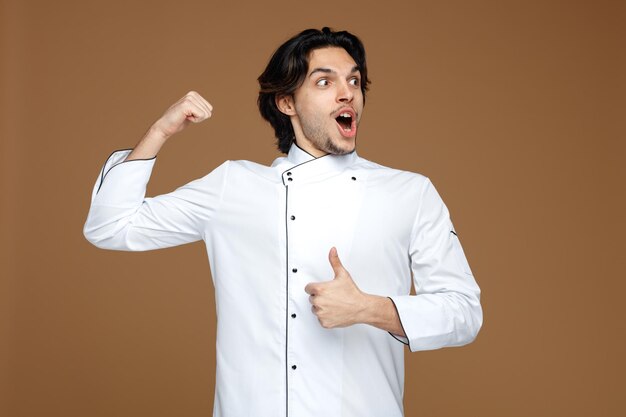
point(345, 92)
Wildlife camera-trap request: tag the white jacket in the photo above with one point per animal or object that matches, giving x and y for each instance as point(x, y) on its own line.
point(268, 231)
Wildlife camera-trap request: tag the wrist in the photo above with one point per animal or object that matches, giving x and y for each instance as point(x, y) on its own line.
point(371, 306)
point(156, 132)
point(149, 146)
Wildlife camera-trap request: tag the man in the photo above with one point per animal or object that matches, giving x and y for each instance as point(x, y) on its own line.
point(311, 257)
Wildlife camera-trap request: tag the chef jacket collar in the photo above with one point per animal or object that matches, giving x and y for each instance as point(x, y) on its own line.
point(299, 164)
point(297, 155)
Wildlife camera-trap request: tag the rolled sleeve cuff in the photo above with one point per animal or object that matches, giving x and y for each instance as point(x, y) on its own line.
point(425, 321)
point(399, 338)
point(117, 173)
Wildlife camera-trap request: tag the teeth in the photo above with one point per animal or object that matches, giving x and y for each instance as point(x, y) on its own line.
point(345, 115)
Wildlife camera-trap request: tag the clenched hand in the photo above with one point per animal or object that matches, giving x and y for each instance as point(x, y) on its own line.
point(191, 108)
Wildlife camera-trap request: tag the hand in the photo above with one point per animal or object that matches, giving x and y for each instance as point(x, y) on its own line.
point(336, 303)
point(192, 108)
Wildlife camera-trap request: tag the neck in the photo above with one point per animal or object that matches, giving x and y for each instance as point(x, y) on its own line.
point(306, 147)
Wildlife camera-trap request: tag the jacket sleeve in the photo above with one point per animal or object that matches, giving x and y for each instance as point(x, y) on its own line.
point(446, 309)
point(122, 218)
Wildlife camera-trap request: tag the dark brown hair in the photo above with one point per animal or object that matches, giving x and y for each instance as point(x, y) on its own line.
point(287, 68)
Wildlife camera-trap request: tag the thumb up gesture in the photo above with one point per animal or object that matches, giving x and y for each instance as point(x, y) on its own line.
point(338, 302)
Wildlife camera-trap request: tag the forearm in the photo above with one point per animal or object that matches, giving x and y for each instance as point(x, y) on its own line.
point(192, 108)
point(150, 145)
point(381, 313)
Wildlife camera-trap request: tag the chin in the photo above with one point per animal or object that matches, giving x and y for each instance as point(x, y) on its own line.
point(334, 148)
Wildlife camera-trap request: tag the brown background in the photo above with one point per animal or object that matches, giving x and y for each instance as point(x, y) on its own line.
point(515, 109)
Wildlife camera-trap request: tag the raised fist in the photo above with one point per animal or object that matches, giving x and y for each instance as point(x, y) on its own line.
point(191, 108)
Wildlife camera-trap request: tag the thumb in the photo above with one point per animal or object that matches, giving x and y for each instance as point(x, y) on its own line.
point(335, 262)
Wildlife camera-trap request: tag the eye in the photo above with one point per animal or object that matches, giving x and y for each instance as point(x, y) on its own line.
point(355, 81)
point(322, 82)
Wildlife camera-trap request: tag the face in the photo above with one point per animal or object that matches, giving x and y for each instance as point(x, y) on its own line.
point(326, 109)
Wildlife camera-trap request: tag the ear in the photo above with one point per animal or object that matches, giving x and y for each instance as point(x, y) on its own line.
point(286, 105)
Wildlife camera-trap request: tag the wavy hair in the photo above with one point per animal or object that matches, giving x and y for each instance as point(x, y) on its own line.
point(288, 67)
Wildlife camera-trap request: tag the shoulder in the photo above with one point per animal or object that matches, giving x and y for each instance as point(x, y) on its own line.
point(248, 170)
point(376, 172)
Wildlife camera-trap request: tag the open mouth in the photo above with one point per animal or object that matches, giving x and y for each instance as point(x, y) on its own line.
point(344, 120)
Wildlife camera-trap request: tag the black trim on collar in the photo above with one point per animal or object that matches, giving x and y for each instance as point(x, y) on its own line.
point(299, 147)
point(300, 164)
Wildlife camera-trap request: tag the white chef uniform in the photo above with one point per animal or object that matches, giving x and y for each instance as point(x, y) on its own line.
point(268, 231)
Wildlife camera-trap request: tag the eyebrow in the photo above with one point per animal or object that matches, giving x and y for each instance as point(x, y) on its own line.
point(330, 71)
